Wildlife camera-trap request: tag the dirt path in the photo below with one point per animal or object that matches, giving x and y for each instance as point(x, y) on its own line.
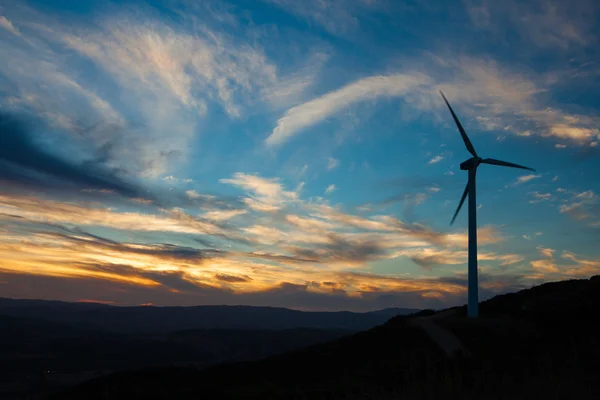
point(445, 339)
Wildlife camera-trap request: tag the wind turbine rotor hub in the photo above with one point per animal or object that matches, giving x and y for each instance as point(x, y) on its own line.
point(470, 163)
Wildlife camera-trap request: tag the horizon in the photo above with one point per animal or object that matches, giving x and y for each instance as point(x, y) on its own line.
point(294, 154)
point(110, 304)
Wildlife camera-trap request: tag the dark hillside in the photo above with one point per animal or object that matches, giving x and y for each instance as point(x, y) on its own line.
point(167, 319)
point(539, 343)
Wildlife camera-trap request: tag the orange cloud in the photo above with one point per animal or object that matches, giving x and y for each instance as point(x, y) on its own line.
point(94, 301)
point(41, 210)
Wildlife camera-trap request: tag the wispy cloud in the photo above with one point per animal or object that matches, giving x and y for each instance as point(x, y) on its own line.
point(569, 266)
point(547, 252)
point(330, 189)
point(544, 266)
point(582, 267)
point(436, 159)
point(305, 115)
point(40, 211)
point(5, 23)
point(338, 17)
point(500, 97)
point(527, 178)
point(175, 180)
point(496, 96)
point(267, 194)
point(176, 73)
point(164, 76)
point(583, 206)
point(540, 197)
point(332, 163)
point(545, 24)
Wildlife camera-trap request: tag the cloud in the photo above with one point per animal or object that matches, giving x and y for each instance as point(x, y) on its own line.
point(172, 60)
point(547, 252)
point(232, 278)
point(174, 76)
point(582, 267)
point(222, 215)
point(330, 189)
point(112, 88)
point(583, 206)
point(543, 24)
point(5, 23)
point(527, 178)
point(292, 89)
point(317, 296)
point(268, 195)
point(304, 241)
point(94, 301)
point(310, 224)
point(310, 113)
point(496, 96)
point(540, 197)
point(576, 210)
point(26, 163)
point(177, 280)
point(436, 159)
point(499, 97)
point(38, 210)
point(544, 266)
point(163, 76)
point(570, 266)
point(341, 249)
point(428, 261)
point(192, 194)
point(187, 271)
point(174, 180)
point(332, 163)
point(338, 17)
point(588, 195)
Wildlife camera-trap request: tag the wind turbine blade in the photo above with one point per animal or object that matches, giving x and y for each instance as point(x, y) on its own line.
point(505, 164)
point(462, 200)
point(461, 129)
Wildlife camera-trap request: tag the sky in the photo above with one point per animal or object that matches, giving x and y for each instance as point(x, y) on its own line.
point(294, 153)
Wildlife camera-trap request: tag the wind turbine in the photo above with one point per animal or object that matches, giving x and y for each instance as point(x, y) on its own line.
point(471, 165)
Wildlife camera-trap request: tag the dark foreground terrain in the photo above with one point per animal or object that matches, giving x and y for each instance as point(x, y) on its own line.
point(46, 345)
point(542, 342)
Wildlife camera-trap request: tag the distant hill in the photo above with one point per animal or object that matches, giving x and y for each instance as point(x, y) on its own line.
point(167, 319)
point(77, 340)
point(539, 343)
point(29, 346)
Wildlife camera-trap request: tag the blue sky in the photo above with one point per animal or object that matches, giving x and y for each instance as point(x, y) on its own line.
point(277, 152)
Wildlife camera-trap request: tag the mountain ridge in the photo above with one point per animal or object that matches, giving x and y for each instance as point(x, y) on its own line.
point(136, 319)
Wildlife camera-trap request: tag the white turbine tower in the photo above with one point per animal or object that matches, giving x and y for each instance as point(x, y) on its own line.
point(471, 165)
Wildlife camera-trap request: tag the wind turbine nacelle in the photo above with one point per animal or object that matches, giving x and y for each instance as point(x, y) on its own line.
point(470, 163)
